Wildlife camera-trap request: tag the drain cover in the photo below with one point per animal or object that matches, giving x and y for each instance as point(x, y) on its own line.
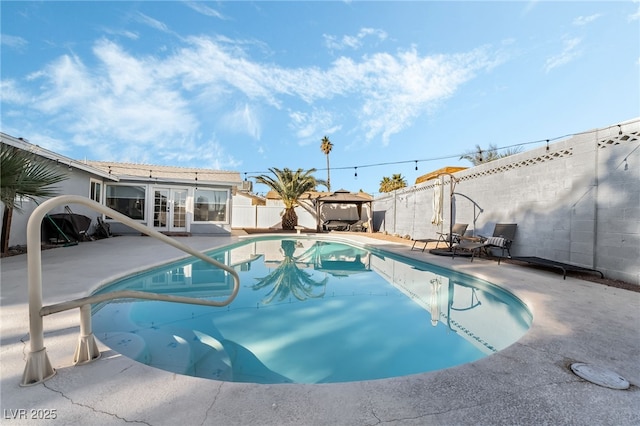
point(600, 376)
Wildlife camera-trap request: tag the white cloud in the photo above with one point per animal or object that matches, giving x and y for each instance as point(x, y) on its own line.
point(243, 119)
point(122, 100)
point(151, 22)
point(13, 42)
point(204, 10)
point(11, 93)
point(585, 20)
point(122, 33)
point(569, 53)
point(308, 125)
point(143, 104)
point(353, 42)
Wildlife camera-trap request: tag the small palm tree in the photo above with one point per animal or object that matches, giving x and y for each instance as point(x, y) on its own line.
point(290, 186)
point(391, 184)
point(23, 175)
point(287, 279)
point(326, 147)
point(480, 156)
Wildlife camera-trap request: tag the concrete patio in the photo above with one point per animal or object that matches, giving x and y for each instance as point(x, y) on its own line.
point(529, 383)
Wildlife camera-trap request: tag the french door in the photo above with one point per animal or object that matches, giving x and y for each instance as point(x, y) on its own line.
point(170, 209)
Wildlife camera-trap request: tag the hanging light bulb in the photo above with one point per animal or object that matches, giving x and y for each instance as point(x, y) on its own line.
point(619, 129)
point(547, 144)
point(356, 173)
point(626, 165)
point(416, 165)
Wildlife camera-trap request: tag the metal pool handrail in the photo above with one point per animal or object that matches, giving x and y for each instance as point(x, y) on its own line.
point(38, 368)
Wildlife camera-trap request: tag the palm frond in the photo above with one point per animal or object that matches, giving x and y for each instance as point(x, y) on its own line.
point(23, 175)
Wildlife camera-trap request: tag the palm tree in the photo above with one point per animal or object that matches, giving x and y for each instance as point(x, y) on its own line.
point(326, 147)
point(290, 186)
point(391, 184)
point(287, 279)
point(480, 156)
point(23, 175)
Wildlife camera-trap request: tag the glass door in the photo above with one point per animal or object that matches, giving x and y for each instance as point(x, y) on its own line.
point(178, 220)
point(161, 209)
point(170, 209)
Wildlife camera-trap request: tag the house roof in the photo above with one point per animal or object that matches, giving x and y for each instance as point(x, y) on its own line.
point(168, 173)
point(25, 145)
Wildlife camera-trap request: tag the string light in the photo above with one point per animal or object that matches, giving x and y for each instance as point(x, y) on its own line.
point(356, 173)
point(457, 156)
point(416, 164)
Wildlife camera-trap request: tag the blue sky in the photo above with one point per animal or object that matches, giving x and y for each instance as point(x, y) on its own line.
point(246, 86)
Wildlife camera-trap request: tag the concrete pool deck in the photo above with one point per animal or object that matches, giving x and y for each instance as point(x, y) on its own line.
point(528, 383)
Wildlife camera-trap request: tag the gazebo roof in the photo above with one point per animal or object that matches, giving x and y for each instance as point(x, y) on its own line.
point(346, 197)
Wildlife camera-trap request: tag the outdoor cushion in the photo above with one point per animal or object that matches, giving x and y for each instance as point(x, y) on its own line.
point(495, 241)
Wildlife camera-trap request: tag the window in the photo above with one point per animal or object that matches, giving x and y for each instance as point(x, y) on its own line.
point(210, 205)
point(128, 200)
point(96, 190)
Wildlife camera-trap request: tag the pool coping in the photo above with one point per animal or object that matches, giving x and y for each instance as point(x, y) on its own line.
point(530, 382)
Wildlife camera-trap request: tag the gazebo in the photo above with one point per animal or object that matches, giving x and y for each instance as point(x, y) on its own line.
point(342, 196)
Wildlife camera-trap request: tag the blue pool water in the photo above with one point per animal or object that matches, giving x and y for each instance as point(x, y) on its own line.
point(310, 311)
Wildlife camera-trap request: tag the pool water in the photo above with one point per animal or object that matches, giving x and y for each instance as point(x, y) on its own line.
point(310, 311)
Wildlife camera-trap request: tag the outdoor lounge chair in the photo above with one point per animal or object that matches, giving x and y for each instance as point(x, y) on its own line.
point(359, 226)
point(502, 238)
point(457, 231)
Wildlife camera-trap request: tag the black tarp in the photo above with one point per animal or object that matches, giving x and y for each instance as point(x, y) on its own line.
point(73, 226)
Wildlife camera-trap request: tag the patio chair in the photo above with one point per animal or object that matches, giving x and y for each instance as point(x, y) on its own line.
point(457, 231)
point(359, 226)
point(502, 238)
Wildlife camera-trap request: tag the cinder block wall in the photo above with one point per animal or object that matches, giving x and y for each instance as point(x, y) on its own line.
point(577, 201)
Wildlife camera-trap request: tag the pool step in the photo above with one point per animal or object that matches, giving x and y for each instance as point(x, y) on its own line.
point(128, 344)
point(208, 356)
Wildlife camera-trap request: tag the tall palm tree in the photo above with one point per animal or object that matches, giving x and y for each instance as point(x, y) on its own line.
point(290, 186)
point(23, 175)
point(391, 184)
point(326, 147)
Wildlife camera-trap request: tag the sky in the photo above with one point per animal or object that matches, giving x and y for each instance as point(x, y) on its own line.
point(399, 87)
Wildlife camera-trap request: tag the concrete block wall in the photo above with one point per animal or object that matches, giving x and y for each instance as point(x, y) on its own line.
point(577, 201)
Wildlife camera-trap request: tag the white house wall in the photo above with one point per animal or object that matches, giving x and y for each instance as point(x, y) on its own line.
point(78, 183)
point(269, 216)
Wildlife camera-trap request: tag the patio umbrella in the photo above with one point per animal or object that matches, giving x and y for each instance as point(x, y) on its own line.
point(436, 218)
point(434, 300)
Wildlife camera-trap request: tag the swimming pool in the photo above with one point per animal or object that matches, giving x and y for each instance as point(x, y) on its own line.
point(310, 310)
